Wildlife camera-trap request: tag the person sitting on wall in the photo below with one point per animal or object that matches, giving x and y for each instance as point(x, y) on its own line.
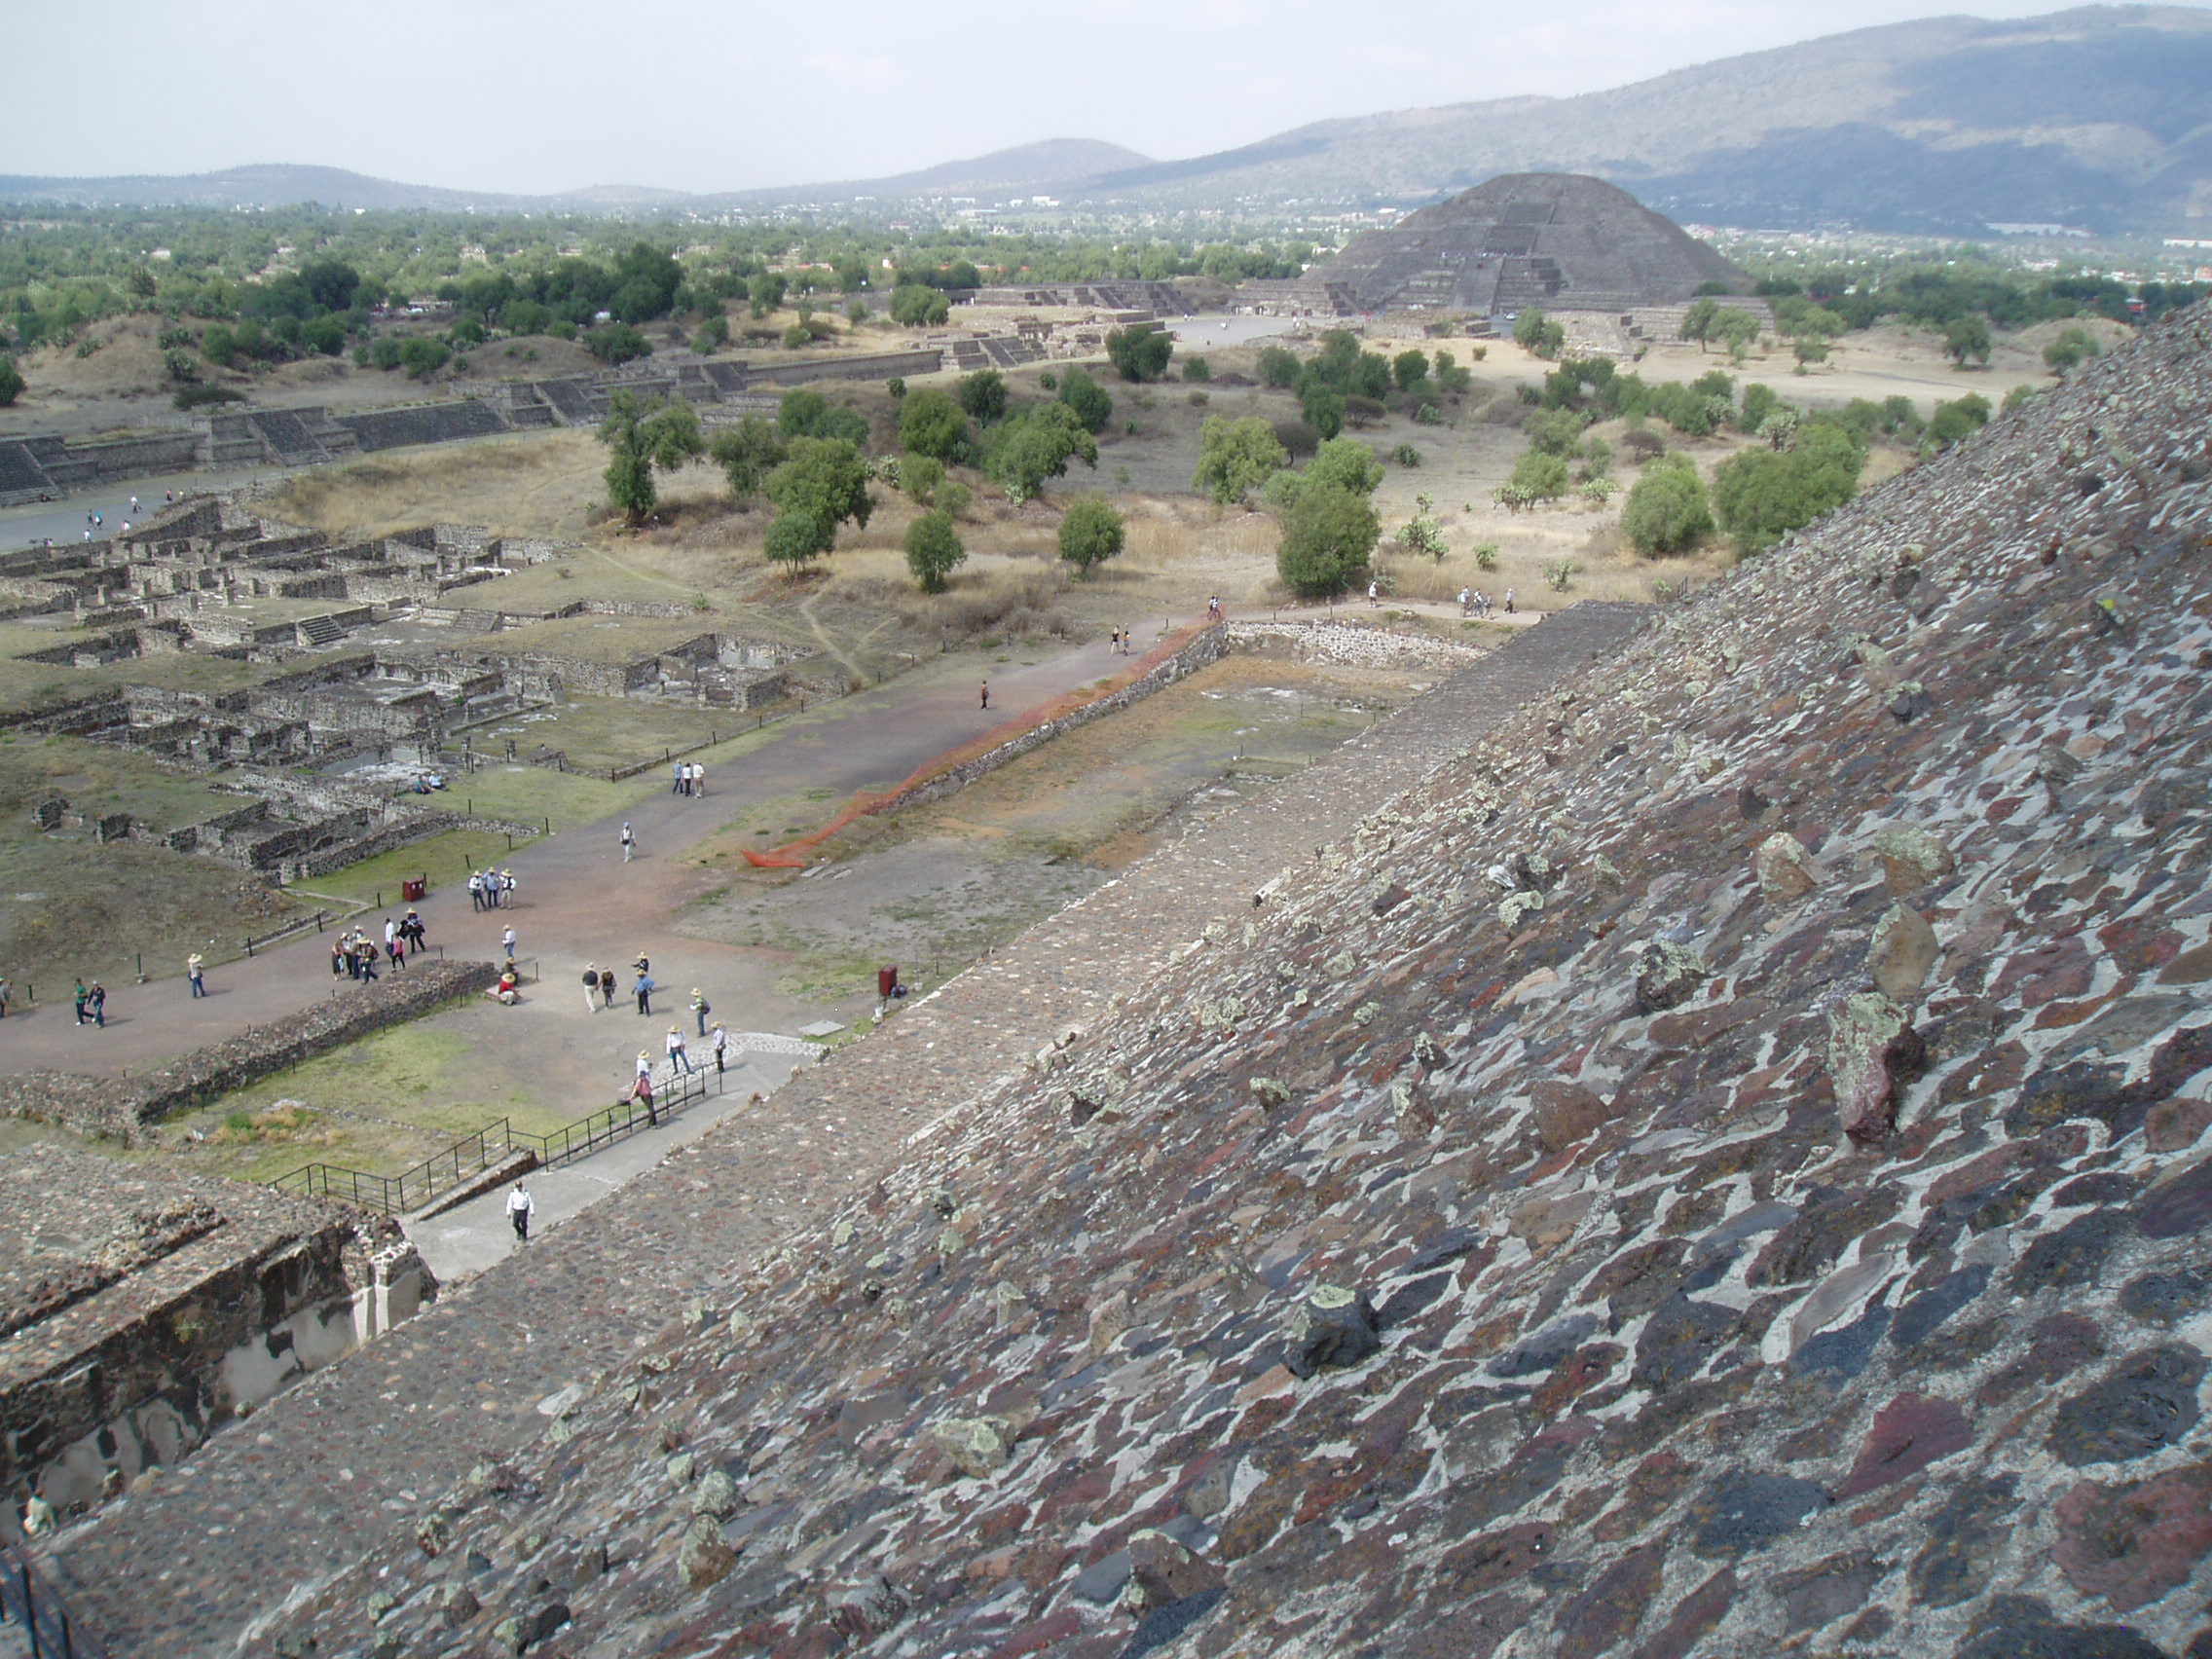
point(506, 990)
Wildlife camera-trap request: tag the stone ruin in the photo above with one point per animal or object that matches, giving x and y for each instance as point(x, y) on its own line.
point(140, 1310)
point(1561, 241)
point(1719, 1168)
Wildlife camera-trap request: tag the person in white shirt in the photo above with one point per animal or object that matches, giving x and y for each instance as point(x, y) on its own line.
point(520, 1206)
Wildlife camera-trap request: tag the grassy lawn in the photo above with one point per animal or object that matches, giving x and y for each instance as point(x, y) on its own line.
point(27, 685)
point(599, 733)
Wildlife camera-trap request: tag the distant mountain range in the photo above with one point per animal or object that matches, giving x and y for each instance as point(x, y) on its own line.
point(2098, 118)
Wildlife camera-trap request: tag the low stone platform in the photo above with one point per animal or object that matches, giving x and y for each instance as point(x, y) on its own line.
point(140, 1310)
point(347, 1461)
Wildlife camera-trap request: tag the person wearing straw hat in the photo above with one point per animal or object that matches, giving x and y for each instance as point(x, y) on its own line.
point(678, 1053)
point(196, 969)
point(699, 1008)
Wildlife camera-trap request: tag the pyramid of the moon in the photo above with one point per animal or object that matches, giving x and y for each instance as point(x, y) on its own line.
point(1563, 242)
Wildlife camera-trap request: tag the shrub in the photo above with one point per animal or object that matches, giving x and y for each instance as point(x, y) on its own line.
point(1421, 533)
point(1535, 333)
point(1091, 531)
point(747, 453)
point(1296, 438)
point(1140, 354)
point(713, 334)
point(1405, 454)
point(1327, 541)
point(919, 475)
point(384, 353)
point(798, 337)
point(616, 343)
point(2069, 351)
point(1237, 457)
point(1451, 377)
point(1762, 494)
point(931, 423)
point(1090, 400)
point(180, 366)
point(1559, 575)
point(1667, 511)
point(1486, 555)
point(1323, 406)
point(1541, 477)
point(1959, 419)
point(422, 357)
point(2021, 394)
point(467, 332)
point(982, 394)
point(1362, 411)
point(1347, 464)
point(798, 538)
point(932, 550)
point(916, 307)
point(1197, 369)
point(1409, 369)
point(220, 346)
point(1278, 367)
point(896, 386)
point(954, 497)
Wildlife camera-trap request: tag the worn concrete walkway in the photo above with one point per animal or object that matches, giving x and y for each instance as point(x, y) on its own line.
point(191, 1557)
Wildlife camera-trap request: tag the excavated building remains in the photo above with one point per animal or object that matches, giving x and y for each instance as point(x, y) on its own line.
point(1563, 242)
point(140, 1310)
point(1719, 1168)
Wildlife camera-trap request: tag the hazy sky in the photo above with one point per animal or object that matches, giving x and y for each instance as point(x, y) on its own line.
point(542, 95)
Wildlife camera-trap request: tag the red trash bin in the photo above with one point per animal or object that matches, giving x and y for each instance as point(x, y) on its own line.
point(886, 982)
point(412, 891)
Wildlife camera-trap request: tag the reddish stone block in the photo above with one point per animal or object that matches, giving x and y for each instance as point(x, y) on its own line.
point(2176, 1125)
point(1036, 1637)
point(2139, 944)
point(1609, 1610)
point(2132, 1543)
point(1693, 1619)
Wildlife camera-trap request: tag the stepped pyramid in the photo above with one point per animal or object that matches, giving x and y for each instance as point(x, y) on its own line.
point(1560, 241)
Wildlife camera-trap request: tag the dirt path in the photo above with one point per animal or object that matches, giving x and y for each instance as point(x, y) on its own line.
point(579, 901)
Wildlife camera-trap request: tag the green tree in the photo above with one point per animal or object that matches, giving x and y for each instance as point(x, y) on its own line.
point(1090, 400)
point(1279, 367)
point(805, 413)
point(982, 394)
point(1347, 464)
point(2067, 352)
point(1667, 511)
point(917, 307)
point(766, 292)
point(932, 550)
point(1968, 337)
point(659, 434)
point(1451, 376)
point(1698, 321)
point(1326, 540)
point(11, 382)
point(1553, 431)
point(1762, 494)
point(1536, 333)
point(1196, 369)
point(713, 334)
point(798, 538)
point(1036, 445)
point(1323, 405)
point(931, 423)
point(1237, 457)
point(1737, 329)
point(220, 346)
point(1409, 369)
point(825, 482)
point(1091, 532)
point(747, 453)
point(1140, 353)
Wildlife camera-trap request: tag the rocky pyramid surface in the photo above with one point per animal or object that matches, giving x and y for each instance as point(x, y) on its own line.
point(1721, 1169)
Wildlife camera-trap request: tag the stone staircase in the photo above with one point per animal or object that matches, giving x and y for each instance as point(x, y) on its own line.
point(21, 477)
point(320, 631)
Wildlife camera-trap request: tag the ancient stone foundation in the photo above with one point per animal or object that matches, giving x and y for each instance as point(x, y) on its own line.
point(140, 1310)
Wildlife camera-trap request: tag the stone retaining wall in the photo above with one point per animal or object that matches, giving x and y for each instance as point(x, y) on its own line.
point(123, 1108)
point(1354, 643)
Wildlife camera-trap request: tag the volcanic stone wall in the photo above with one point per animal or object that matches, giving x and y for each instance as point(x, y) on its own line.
point(1719, 1171)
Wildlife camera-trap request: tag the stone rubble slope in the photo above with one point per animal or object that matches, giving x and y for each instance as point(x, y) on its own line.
point(1721, 1169)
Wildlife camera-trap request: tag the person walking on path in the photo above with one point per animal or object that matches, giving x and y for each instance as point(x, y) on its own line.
point(1509, 602)
point(645, 991)
point(196, 969)
point(1373, 594)
point(1466, 599)
point(520, 1206)
point(591, 988)
point(698, 779)
point(678, 1053)
point(699, 1008)
point(677, 788)
point(475, 891)
point(629, 843)
point(722, 1051)
point(642, 1091)
point(644, 1065)
point(97, 1003)
point(986, 694)
point(6, 991)
point(82, 998)
point(507, 945)
point(390, 934)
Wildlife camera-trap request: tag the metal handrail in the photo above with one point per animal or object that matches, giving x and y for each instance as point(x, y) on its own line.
point(413, 1188)
point(27, 1600)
